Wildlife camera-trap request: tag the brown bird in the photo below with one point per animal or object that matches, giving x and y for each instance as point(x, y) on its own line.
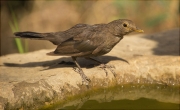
point(83, 40)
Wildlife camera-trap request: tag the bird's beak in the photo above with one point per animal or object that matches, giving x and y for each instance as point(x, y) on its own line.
point(139, 30)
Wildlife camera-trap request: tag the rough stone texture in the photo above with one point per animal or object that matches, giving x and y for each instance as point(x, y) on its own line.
point(28, 81)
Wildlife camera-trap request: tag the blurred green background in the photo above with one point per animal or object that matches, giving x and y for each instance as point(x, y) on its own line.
point(52, 15)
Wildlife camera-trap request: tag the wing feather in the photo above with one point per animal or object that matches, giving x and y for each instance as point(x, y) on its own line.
point(62, 36)
point(86, 41)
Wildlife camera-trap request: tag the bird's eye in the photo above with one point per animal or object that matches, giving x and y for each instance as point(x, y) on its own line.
point(124, 24)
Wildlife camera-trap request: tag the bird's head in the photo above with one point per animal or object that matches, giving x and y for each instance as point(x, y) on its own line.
point(122, 27)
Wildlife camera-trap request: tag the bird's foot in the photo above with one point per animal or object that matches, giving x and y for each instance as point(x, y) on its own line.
point(110, 67)
point(85, 79)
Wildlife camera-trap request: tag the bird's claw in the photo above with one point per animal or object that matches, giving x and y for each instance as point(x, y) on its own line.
point(85, 79)
point(110, 67)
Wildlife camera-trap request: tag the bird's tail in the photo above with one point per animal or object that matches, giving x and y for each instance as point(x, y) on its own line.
point(32, 35)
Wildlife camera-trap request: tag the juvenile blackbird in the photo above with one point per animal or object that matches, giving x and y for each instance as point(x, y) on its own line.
point(83, 40)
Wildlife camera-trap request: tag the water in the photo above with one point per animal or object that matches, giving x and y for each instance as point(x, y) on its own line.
point(142, 103)
point(129, 96)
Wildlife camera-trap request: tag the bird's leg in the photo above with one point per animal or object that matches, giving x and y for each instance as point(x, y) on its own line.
point(80, 71)
point(103, 66)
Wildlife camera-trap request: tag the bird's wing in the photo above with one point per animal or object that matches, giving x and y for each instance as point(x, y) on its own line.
point(59, 37)
point(88, 40)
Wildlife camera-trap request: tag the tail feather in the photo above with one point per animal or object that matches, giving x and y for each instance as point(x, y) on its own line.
point(27, 34)
point(52, 37)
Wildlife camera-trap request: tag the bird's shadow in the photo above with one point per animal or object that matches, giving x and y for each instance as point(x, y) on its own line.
point(66, 62)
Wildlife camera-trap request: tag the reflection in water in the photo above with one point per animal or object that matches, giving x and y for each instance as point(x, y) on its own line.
point(142, 103)
point(129, 96)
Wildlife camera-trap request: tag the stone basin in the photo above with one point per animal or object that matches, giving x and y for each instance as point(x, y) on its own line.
point(34, 80)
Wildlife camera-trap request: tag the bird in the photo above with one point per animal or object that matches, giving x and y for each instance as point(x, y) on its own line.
point(84, 40)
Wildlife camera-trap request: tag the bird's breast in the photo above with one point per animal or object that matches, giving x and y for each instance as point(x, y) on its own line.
point(109, 44)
